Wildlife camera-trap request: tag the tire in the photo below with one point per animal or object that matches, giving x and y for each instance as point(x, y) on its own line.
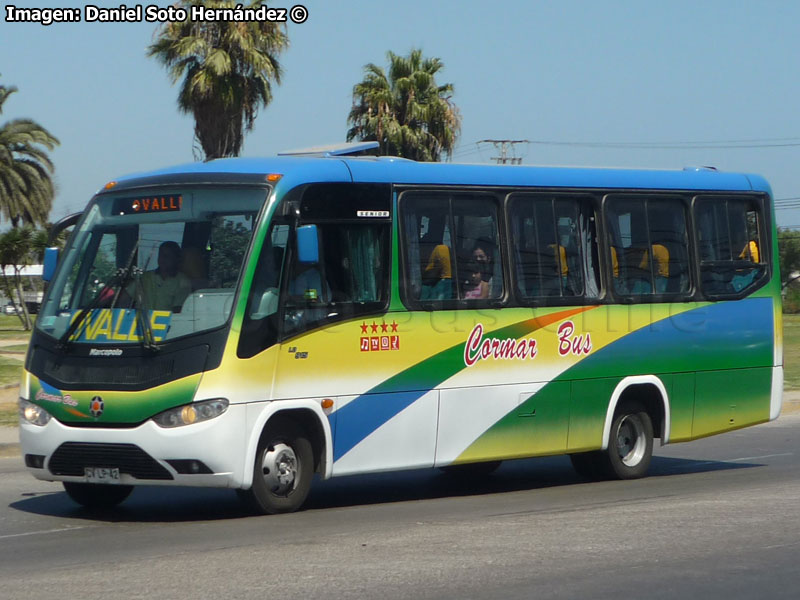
point(480, 469)
point(588, 464)
point(630, 443)
point(283, 469)
point(95, 495)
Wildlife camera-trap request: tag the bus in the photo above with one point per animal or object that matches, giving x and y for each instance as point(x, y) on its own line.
point(252, 323)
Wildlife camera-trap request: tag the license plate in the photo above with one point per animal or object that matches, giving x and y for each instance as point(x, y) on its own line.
point(101, 475)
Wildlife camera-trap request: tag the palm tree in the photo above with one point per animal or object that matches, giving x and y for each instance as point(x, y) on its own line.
point(227, 69)
point(26, 186)
point(406, 112)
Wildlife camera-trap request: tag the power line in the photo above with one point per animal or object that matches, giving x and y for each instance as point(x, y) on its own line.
point(506, 150)
point(730, 144)
point(680, 145)
point(787, 203)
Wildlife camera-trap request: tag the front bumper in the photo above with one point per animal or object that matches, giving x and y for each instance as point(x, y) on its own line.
point(142, 453)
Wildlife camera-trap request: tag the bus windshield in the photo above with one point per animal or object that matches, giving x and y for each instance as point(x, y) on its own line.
point(153, 265)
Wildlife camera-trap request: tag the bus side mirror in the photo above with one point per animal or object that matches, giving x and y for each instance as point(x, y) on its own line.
point(307, 245)
point(50, 263)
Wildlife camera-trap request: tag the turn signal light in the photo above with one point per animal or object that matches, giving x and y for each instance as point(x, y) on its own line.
point(327, 403)
point(273, 177)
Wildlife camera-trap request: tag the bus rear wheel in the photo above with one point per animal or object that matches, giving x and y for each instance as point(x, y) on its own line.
point(283, 469)
point(95, 495)
point(630, 443)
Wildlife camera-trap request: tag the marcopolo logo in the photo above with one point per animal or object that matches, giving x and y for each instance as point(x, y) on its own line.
point(105, 352)
point(96, 407)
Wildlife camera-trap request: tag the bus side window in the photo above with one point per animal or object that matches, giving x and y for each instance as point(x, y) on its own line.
point(730, 245)
point(350, 279)
point(649, 249)
point(451, 247)
point(554, 246)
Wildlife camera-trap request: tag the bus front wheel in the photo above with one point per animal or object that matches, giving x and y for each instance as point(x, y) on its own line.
point(283, 469)
point(96, 495)
point(630, 443)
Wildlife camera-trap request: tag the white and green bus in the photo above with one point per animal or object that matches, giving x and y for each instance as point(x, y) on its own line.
point(249, 323)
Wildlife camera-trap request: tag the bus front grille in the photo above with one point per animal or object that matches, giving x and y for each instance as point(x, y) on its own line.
point(70, 459)
point(99, 373)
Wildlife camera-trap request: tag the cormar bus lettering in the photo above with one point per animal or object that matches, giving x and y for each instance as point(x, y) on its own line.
point(66, 399)
point(577, 345)
point(478, 347)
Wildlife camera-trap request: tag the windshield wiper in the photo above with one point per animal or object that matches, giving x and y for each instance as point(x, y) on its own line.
point(120, 278)
point(143, 312)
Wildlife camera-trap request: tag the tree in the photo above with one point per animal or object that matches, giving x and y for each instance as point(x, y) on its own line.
point(406, 112)
point(227, 68)
point(16, 252)
point(229, 245)
point(789, 252)
point(26, 186)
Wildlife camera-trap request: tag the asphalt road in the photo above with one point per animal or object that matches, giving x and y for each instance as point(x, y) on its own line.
point(717, 518)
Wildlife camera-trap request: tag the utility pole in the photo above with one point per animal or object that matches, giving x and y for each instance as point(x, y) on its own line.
point(505, 149)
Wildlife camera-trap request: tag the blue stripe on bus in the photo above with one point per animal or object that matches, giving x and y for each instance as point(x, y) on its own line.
point(358, 419)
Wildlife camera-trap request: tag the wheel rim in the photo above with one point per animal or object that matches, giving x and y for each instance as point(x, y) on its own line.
point(281, 469)
point(631, 442)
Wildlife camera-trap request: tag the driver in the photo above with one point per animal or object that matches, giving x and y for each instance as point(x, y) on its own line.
point(166, 287)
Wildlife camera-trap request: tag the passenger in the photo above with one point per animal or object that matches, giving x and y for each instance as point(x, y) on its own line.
point(437, 275)
point(474, 286)
point(561, 263)
point(661, 258)
point(483, 254)
point(750, 252)
point(744, 277)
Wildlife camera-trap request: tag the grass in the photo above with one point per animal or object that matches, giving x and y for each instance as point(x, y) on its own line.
point(10, 370)
point(791, 352)
point(11, 328)
point(9, 414)
point(15, 349)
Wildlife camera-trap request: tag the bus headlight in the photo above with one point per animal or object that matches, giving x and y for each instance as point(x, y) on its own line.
point(33, 413)
point(191, 413)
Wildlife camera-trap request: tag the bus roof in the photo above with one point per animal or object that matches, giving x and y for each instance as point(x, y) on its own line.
point(296, 170)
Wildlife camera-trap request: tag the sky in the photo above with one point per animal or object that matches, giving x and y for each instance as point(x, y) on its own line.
point(608, 83)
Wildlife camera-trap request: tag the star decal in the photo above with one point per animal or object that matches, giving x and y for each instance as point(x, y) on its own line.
point(363, 327)
point(374, 327)
point(394, 326)
point(384, 327)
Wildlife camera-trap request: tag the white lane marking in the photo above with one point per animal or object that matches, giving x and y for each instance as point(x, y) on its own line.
point(758, 457)
point(789, 545)
point(13, 535)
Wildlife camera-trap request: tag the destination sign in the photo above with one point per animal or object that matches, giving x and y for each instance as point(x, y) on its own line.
point(148, 204)
point(106, 325)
